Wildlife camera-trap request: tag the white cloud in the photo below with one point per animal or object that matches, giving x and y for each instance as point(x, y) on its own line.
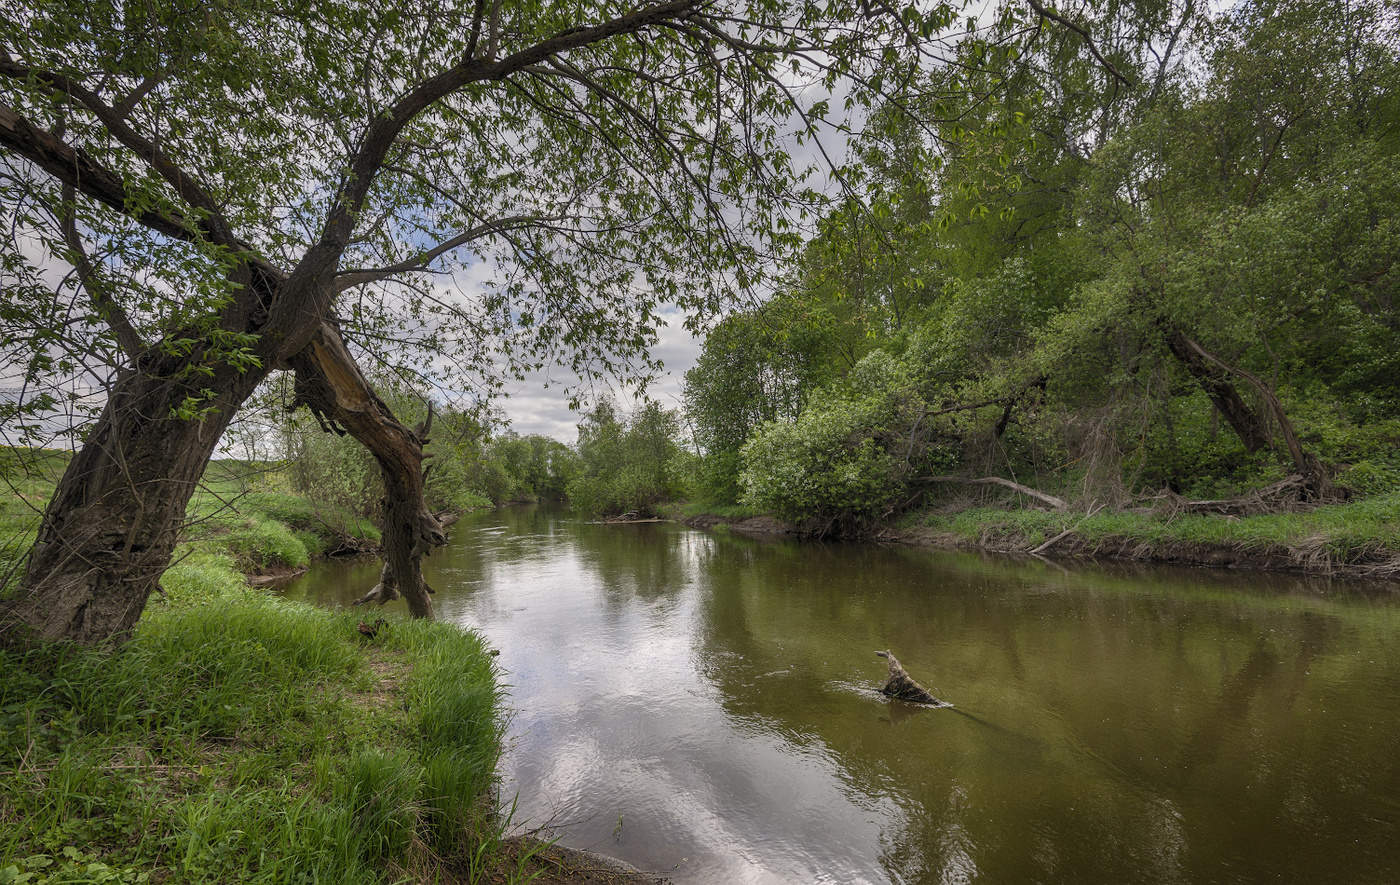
point(540, 403)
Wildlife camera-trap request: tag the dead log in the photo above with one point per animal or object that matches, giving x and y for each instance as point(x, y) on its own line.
point(1051, 500)
point(901, 686)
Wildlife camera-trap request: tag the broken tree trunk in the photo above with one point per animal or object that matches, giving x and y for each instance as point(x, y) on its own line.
point(1317, 484)
point(330, 383)
point(902, 686)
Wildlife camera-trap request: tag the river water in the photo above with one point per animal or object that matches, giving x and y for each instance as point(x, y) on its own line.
point(702, 705)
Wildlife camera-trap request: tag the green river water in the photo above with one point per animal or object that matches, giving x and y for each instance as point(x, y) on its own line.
point(702, 705)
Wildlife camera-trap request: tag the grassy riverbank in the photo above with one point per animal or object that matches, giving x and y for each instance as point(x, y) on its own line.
point(241, 737)
point(243, 512)
point(1360, 538)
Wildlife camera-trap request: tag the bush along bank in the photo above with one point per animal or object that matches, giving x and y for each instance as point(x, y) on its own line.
point(1358, 539)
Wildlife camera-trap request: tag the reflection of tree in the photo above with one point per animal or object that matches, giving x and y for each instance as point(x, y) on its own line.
point(634, 561)
point(1086, 696)
point(1110, 724)
point(1236, 692)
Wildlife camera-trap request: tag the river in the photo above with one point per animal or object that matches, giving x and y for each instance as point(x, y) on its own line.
point(702, 705)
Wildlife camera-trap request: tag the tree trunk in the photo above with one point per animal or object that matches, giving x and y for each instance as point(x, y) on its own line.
point(1317, 484)
point(1214, 378)
point(107, 534)
point(332, 386)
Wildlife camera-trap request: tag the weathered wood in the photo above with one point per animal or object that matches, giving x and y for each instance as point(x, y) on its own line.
point(902, 686)
point(1057, 503)
point(330, 383)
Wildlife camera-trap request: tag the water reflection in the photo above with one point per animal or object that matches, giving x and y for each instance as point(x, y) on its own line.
point(703, 705)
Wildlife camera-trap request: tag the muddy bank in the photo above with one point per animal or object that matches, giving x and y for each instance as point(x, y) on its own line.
point(754, 526)
point(1312, 560)
point(272, 576)
point(349, 548)
point(559, 865)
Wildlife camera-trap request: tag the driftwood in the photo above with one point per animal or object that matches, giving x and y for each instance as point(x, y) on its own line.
point(1051, 500)
point(1288, 494)
point(902, 686)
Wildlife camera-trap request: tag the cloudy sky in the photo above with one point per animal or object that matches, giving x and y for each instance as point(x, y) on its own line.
point(539, 404)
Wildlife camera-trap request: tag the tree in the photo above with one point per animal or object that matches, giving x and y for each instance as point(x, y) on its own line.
point(243, 187)
point(625, 464)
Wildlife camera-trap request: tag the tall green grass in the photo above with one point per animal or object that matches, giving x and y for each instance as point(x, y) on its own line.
point(238, 737)
point(244, 509)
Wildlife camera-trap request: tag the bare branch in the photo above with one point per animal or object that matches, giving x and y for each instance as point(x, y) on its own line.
point(107, 307)
point(1052, 15)
point(346, 279)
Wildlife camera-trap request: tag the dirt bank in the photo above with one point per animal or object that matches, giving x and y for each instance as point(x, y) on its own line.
point(1314, 559)
point(1312, 555)
point(559, 865)
point(754, 526)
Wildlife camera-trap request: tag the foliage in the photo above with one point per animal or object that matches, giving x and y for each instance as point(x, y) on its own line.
point(526, 468)
point(625, 465)
point(1037, 274)
point(846, 459)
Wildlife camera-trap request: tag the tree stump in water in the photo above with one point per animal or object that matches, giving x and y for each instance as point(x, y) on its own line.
point(902, 686)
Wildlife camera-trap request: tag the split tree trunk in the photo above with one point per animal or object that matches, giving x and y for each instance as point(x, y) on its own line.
point(1213, 374)
point(107, 534)
point(332, 386)
point(1214, 379)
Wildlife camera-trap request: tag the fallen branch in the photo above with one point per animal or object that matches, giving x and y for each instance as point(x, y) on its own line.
point(1052, 542)
point(1051, 500)
point(900, 685)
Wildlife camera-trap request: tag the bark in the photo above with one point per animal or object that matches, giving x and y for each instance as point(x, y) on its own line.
point(1317, 484)
point(114, 519)
point(1214, 378)
point(108, 532)
point(330, 383)
point(902, 686)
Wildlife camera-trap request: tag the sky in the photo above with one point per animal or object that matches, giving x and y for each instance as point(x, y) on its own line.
point(533, 407)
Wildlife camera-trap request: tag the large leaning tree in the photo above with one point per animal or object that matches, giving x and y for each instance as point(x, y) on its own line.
point(199, 193)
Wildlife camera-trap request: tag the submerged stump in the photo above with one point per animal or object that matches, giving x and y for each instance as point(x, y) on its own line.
point(902, 686)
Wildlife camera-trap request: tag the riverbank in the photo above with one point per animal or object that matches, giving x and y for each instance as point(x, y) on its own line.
point(1357, 539)
point(241, 737)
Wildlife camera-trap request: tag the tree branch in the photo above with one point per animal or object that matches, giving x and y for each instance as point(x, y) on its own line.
point(384, 131)
point(1057, 503)
point(75, 167)
point(186, 186)
point(350, 278)
point(107, 307)
point(1054, 16)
